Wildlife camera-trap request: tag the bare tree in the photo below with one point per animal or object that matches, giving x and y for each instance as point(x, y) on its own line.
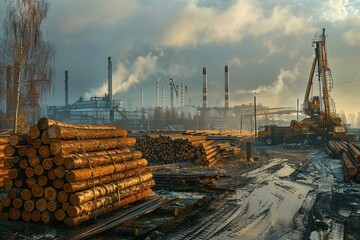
point(26, 59)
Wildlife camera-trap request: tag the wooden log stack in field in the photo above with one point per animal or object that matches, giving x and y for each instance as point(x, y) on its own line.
point(178, 148)
point(72, 173)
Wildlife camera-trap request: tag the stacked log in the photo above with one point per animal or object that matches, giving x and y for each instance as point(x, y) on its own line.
point(169, 148)
point(207, 154)
point(72, 173)
point(228, 151)
point(349, 153)
point(4, 169)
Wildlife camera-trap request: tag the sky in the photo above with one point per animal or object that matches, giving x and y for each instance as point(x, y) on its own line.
point(267, 45)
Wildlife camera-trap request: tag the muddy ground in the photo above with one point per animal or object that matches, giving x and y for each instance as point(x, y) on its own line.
point(293, 192)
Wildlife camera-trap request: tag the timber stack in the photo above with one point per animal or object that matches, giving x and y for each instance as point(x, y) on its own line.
point(3, 169)
point(177, 148)
point(349, 153)
point(227, 151)
point(207, 153)
point(72, 173)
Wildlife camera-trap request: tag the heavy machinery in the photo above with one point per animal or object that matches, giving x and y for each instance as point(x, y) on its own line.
point(322, 123)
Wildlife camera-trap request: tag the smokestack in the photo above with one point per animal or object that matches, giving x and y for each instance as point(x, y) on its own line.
point(163, 97)
point(142, 98)
point(205, 102)
point(182, 95)
point(227, 85)
point(157, 94)
point(66, 88)
point(110, 82)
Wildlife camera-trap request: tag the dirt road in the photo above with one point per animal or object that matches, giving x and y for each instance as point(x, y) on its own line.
point(294, 194)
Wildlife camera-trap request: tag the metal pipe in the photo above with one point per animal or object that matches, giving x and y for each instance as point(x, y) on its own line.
point(157, 94)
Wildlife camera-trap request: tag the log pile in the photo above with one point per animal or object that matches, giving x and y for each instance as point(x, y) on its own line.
point(3, 169)
point(72, 173)
point(228, 151)
point(207, 153)
point(350, 154)
point(186, 181)
point(167, 149)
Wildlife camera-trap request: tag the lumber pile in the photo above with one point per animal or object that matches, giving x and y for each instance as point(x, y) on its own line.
point(227, 151)
point(176, 148)
point(349, 153)
point(3, 169)
point(186, 181)
point(72, 173)
point(207, 153)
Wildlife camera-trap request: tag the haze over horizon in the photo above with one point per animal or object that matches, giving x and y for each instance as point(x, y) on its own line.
point(267, 45)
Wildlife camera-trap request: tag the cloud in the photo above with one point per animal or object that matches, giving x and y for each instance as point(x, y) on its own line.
point(284, 82)
point(339, 10)
point(86, 15)
point(196, 25)
point(352, 36)
point(235, 61)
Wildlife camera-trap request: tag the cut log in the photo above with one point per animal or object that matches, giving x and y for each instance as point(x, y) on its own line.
point(70, 222)
point(51, 174)
point(26, 194)
point(4, 140)
point(9, 151)
point(6, 201)
point(41, 204)
point(18, 182)
point(8, 182)
point(58, 183)
point(16, 139)
point(60, 171)
point(50, 193)
point(30, 182)
point(13, 193)
point(34, 132)
point(29, 172)
point(37, 190)
point(89, 194)
point(65, 206)
point(34, 160)
point(45, 138)
point(108, 199)
point(14, 213)
point(52, 206)
point(47, 163)
point(44, 123)
point(31, 151)
point(75, 146)
point(82, 185)
point(35, 216)
point(23, 164)
point(26, 216)
point(61, 132)
point(62, 196)
point(29, 205)
point(42, 180)
point(60, 215)
point(37, 144)
point(87, 173)
point(39, 170)
point(17, 202)
point(74, 161)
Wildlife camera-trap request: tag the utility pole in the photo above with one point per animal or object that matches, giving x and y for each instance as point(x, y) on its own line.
point(297, 109)
point(255, 117)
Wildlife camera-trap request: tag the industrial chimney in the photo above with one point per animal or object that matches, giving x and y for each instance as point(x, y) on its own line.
point(227, 84)
point(205, 102)
point(66, 88)
point(110, 83)
point(157, 94)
